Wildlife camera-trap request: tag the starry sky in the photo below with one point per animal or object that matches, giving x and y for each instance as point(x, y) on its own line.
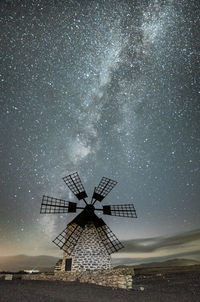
point(105, 88)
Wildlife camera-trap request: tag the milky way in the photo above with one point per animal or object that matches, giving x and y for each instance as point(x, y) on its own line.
point(105, 88)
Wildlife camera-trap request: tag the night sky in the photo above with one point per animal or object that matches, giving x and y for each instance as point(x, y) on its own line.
point(104, 88)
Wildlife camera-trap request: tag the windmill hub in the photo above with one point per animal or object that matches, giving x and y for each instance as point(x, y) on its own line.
point(87, 241)
point(90, 209)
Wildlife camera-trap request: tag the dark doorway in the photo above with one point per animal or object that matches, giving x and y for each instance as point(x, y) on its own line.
point(68, 264)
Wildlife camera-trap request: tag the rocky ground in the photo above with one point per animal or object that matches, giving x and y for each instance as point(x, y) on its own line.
point(168, 286)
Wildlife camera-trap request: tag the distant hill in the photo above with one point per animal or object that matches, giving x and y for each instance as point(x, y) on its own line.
point(21, 262)
point(169, 263)
point(47, 263)
point(172, 262)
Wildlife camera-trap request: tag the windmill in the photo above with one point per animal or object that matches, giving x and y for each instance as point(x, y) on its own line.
point(87, 241)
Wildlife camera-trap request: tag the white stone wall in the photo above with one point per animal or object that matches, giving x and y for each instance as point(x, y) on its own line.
point(115, 278)
point(89, 252)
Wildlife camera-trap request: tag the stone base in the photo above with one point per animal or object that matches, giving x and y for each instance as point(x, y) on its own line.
point(117, 278)
point(89, 252)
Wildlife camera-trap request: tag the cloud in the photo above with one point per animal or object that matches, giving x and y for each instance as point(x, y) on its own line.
point(153, 244)
point(160, 248)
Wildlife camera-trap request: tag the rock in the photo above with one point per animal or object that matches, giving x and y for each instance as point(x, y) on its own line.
point(138, 287)
point(8, 277)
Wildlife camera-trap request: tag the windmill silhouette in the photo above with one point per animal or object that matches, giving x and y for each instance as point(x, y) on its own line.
point(87, 237)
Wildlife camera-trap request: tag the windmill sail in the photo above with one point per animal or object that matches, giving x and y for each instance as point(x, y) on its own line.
point(104, 187)
point(110, 241)
point(51, 205)
point(74, 183)
point(67, 240)
point(125, 210)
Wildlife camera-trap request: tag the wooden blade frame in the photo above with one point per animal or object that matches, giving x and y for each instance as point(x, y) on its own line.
point(125, 210)
point(67, 240)
point(104, 187)
point(74, 183)
point(110, 241)
point(51, 205)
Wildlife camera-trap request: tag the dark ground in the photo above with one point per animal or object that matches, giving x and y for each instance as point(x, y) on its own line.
point(167, 287)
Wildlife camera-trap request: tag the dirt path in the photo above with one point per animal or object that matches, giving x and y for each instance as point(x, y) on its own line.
point(176, 287)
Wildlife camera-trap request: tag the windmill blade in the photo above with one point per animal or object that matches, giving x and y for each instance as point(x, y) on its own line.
point(110, 241)
point(104, 187)
point(125, 210)
point(73, 182)
point(51, 205)
point(67, 240)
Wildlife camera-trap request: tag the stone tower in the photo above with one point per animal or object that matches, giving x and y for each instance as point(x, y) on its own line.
point(89, 253)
